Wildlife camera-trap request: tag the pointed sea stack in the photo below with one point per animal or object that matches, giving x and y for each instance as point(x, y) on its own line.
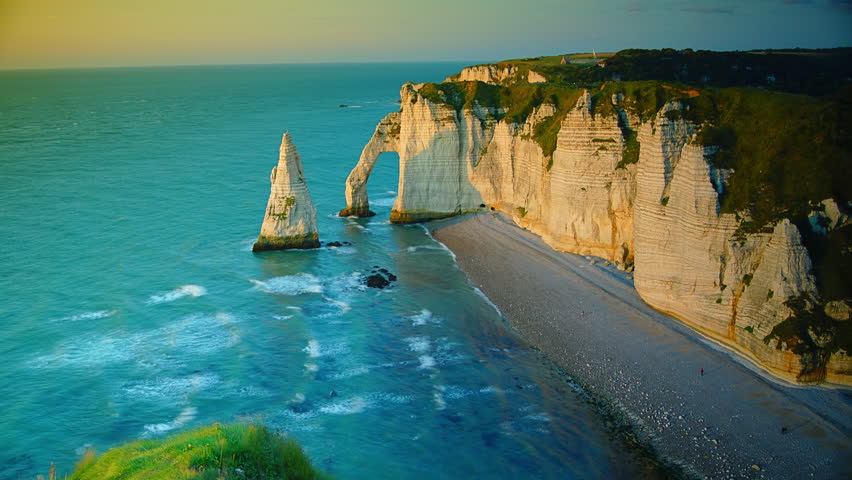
point(291, 218)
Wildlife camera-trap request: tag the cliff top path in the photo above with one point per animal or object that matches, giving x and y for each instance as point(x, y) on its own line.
point(729, 421)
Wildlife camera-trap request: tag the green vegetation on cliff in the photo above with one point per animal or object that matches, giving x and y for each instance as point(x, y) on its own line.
point(246, 452)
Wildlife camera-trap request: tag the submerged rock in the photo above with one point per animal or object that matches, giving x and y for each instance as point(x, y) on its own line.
point(291, 218)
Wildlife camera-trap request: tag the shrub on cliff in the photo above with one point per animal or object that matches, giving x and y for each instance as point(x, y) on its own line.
point(235, 451)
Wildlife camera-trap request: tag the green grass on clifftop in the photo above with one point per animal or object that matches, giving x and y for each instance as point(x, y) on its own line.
point(236, 451)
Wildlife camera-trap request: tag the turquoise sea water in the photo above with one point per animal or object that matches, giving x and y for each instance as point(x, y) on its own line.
point(132, 306)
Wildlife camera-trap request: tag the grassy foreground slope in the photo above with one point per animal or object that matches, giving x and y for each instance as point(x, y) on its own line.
point(235, 451)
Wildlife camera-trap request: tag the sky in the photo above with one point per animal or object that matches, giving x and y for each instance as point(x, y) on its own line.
point(107, 33)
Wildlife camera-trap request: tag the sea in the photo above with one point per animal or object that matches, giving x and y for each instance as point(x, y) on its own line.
point(132, 306)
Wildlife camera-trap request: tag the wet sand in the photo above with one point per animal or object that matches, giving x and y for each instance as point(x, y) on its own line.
point(734, 421)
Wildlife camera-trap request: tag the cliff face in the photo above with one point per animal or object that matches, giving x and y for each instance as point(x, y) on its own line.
point(497, 74)
point(291, 218)
point(659, 215)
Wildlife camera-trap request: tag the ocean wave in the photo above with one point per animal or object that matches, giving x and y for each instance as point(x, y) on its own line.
point(179, 292)
point(418, 248)
point(185, 416)
point(297, 284)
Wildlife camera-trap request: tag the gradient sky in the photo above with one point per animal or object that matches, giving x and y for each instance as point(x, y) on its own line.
point(76, 33)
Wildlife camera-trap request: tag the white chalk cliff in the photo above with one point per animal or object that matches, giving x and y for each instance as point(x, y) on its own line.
point(659, 216)
point(291, 218)
point(496, 74)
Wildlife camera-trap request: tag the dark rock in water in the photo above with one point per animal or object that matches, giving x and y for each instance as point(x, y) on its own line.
point(379, 278)
point(332, 394)
point(377, 281)
point(347, 243)
point(333, 244)
point(343, 105)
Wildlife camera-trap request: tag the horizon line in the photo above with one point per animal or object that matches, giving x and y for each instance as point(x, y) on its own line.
point(179, 65)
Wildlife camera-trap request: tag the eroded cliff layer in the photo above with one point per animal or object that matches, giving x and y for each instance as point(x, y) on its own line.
point(291, 218)
point(634, 173)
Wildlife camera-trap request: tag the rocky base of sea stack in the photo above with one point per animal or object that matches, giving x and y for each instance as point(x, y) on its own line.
point(299, 242)
point(356, 212)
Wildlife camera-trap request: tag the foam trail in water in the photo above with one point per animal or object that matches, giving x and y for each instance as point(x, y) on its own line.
point(180, 292)
point(297, 284)
point(88, 316)
point(186, 415)
point(345, 407)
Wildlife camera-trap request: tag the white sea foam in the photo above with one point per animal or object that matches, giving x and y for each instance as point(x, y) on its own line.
point(418, 344)
point(417, 248)
point(429, 234)
point(487, 300)
point(438, 397)
point(247, 245)
point(422, 318)
point(87, 316)
point(297, 284)
point(282, 317)
point(426, 361)
point(313, 349)
point(342, 307)
point(344, 250)
point(190, 335)
point(298, 398)
point(180, 292)
point(311, 367)
point(185, 416)
point(345, 407)
point(351, 372)
point(171, 387)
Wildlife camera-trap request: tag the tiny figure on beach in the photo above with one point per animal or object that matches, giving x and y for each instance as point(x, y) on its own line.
point(702, 372)
point(784, 430)
point(582, 313)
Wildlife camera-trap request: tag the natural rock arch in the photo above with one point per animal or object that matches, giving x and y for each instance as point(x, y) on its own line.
point(385, 139)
